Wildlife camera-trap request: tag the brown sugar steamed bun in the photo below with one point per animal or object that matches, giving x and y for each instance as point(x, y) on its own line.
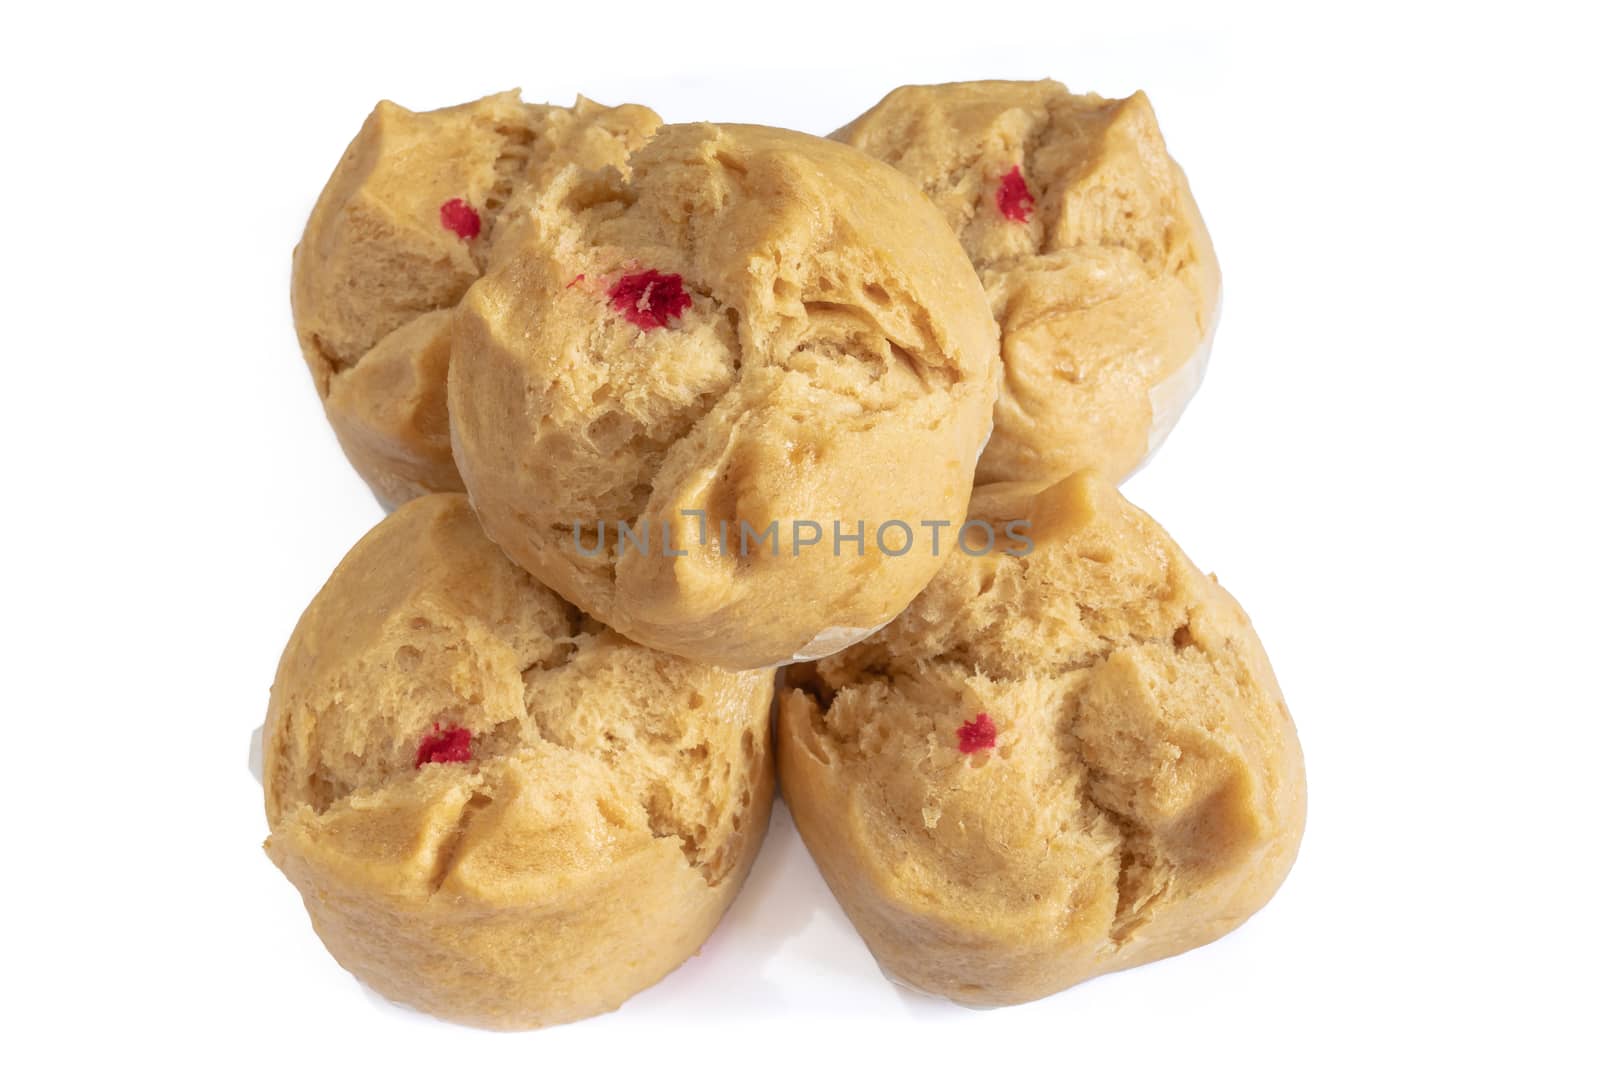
point(1097, 264)
point(752, 327)
point(496, 810)
point(408, 221)
point(1052, 765)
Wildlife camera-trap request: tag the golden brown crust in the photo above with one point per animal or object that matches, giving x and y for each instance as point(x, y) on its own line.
point(613, 802)
point(375, 257)
point(1145, 791)
point(1106, 294)
point(837, 362)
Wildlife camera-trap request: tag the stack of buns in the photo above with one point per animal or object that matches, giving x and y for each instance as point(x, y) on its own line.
point(724, 457)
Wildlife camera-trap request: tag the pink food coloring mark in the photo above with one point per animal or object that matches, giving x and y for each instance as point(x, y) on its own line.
point(1013, 198)
point(460, 218)
point(575, 281)
point(452, 745)
point(649, 298)
point(979, 733)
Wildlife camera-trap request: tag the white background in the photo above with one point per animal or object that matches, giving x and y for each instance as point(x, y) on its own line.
point(1390, 464)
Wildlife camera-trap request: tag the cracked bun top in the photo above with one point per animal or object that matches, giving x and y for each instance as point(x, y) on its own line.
point(498, 810)
point(752, 326)
point(1052, 765)
point(410, 218)
point(1098, 267)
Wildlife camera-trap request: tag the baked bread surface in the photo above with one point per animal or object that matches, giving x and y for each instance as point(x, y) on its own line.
point(752, 327)
point(495, 809)
point(1052, 765)
point(410, 218)
point(1098, 266)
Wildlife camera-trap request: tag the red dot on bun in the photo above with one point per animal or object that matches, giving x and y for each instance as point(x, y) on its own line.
point(450, 745)
point(649, 299)
point(1013, 198)
point(460, 218)
point(977, 734)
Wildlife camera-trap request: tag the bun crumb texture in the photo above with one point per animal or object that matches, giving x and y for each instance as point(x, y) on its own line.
point(1098, 267)
point(415, 212)
point(518, 762)
point(751, 326)
point(497, 810)
point(1050, 766)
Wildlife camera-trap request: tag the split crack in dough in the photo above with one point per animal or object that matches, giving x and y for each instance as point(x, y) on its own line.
point(614, 799)
point(837, 361)
point(1143, 792)
point(1106, 294)
point(378, 271)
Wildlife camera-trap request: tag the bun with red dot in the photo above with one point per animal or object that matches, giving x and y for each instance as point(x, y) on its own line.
point(497, 810)
point(1097, 264)
point(697, 398)
point(1065, 758)
point(410, 218)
